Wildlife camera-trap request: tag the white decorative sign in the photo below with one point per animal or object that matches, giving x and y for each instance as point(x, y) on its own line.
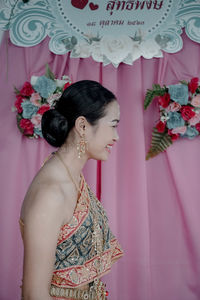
point(109, 31)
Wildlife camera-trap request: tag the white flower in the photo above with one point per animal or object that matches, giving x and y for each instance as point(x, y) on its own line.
point(196, 110)
point(52, 98)
point(150, 48)
point(33, 80)
point(136, 52)
point(116, 49)
point(13, 109)
point(61, 83)
point(164, 119)
point(96, 52)
point(66, 78)
point(81, 49)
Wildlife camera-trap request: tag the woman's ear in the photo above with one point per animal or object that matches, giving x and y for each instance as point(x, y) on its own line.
point(80, 125)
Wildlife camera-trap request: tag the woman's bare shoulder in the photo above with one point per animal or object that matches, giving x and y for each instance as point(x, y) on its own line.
point(47, 194)
point(42, 201)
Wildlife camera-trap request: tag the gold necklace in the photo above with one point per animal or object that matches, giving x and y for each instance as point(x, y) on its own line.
point(69, 173)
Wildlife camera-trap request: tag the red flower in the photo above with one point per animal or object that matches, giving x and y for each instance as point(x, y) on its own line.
point(43, 108)
point(27, 89)
point(18, 103)
point(193, 84)
point(186, 112)
point(66, 85)
point(174, 136)
point(197, 126)
point(27, 126)
point(164, 100)
point(161, 126)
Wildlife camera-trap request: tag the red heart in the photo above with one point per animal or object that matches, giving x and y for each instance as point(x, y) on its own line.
point(93, 6)
point(79, 3)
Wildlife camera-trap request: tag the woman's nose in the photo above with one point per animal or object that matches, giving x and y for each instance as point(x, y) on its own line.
point(116, 138)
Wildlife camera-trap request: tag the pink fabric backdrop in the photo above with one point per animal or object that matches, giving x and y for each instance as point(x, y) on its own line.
point(153, 206)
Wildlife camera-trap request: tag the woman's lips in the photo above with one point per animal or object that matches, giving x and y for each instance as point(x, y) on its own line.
point(109, 147)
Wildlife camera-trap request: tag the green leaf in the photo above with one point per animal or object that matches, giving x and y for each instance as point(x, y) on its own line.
point(151, 94)
point(49, 74)
point(159, 143)
point(184, 82)
point(19, 117)
point(95, 39)
point(74, 40)
point(17, 92)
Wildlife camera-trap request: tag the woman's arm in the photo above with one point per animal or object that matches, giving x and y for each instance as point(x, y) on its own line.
point(42, 221)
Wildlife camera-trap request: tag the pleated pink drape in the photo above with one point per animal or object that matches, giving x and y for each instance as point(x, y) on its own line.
point(153, 206)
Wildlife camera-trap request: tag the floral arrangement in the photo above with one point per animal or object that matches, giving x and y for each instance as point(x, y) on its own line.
point(179, 108)
point(111, 49)
point(35, 98)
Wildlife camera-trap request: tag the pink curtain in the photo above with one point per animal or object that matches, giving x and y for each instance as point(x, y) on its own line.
point(153, 206)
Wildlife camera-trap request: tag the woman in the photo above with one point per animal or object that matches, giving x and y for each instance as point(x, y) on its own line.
point(68, 245)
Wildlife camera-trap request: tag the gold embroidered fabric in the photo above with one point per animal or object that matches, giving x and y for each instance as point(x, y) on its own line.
point(78, 259)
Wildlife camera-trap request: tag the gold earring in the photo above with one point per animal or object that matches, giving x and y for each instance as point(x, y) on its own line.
point(82, 146)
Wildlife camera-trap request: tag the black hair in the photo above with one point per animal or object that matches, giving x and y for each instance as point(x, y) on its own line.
point(85, 98)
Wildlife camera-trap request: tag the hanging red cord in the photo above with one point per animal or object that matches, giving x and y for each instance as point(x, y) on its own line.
point(98, 183)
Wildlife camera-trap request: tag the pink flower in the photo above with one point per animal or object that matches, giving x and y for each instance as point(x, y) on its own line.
point(194, 120)
point(18, 103)
point(36, 120)
point(164, 100)
point(196, 101)
point(161, 126)
point(174, 136)
point(53, 97)
point(197, 126)
point(27, 126)
point(43, 108)
point(181, 130)
point(66, 85)
point(187, 113)
point(173, 106)
point(35, 99)
point(193, 84)
point(27, 89)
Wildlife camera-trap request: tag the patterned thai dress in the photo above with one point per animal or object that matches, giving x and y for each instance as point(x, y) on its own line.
point(86, 250)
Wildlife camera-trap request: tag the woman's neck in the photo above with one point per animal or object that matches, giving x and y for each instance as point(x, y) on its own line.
point(69, 156)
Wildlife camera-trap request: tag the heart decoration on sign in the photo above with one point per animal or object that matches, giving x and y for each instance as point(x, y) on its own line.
point(79, 3)
point(93, 6)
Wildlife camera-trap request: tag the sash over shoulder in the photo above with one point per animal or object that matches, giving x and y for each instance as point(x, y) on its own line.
point(76, 256)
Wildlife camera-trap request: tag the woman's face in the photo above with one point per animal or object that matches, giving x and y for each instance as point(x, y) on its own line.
point(103, 136)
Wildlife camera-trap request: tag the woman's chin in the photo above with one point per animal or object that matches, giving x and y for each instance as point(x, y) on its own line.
point(102, 157)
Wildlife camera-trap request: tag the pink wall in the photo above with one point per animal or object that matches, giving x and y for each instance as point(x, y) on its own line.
point(153, 206)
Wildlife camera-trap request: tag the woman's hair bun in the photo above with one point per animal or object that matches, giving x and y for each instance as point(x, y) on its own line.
point(54, 127)
point(85, 98)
